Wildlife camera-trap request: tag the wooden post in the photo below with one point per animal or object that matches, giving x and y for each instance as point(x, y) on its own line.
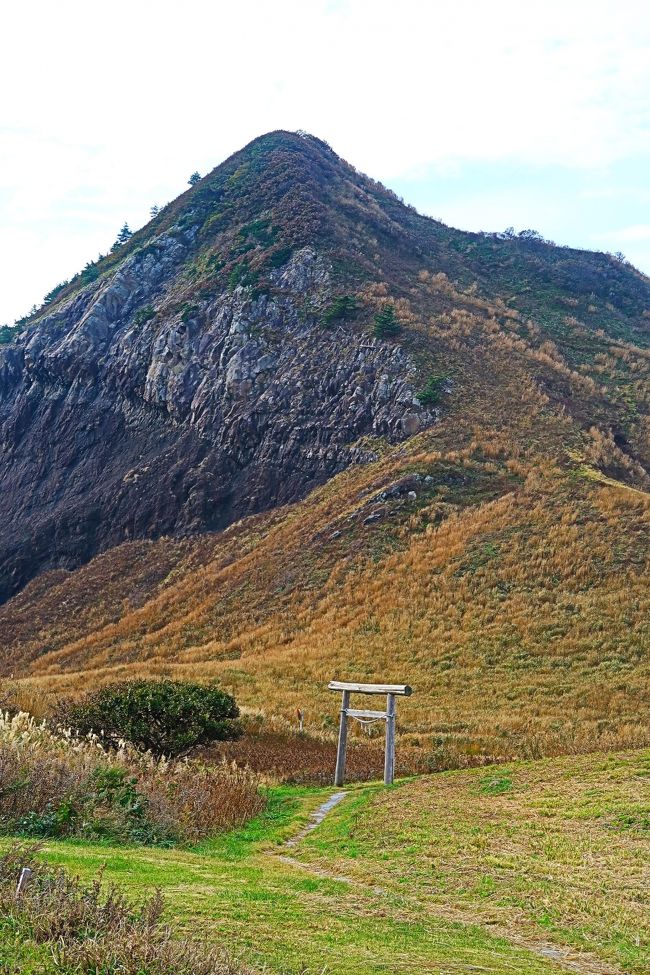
point(343, 735)
point(25, 876)
point(389, 757)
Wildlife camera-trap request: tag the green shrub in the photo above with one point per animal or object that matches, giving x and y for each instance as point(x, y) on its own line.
point(386, 324)
point(429, 395)
point(164, 717)
point(244, 248)
point(143, 315)
point(51, 295)
point(343, 308)
point(8, 333)
point(241, 274)
point(279, 257)
point(55, 784)
point(59, 820)
point(215, 263)
point(261, 230)
point(89, 273)
point(213, 221)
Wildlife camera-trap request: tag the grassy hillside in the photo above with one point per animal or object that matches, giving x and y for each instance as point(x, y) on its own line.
point(512, 594)
point(534, 867)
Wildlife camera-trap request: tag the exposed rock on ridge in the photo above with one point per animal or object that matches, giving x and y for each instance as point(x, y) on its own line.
point(113, 427)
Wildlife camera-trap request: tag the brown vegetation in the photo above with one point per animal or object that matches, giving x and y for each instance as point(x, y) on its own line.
point(291, 757)
point(511, 592)
point(89, 928)
point(52, 784)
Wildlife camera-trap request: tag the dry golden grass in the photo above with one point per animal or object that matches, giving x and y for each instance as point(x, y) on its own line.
point(521, 620)
point(284, 755)
point(53, 784)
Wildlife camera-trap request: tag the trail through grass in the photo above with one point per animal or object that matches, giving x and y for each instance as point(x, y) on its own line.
point(555, 851)
point(237, 890)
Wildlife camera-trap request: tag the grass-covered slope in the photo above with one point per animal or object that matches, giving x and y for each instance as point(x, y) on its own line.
point(239, 894)
point(531, 868)
point(553, 850)
point(510, 592)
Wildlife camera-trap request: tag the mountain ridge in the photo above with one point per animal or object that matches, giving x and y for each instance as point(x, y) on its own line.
point(207, 449)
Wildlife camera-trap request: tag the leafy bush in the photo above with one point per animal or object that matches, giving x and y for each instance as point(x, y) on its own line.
point(144, 315)
point(279, 256)
point(8, 333)
point(53, 784)
point(90, 272)
point(343, 308)
point(92, 929)
point(164, 717)
point(261, 230)
point(430, 394)
point(386, 324)
point(51, 295)
point(188, 311)
point(241, 274)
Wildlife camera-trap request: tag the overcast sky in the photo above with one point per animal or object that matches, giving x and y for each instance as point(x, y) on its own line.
point(484, 113)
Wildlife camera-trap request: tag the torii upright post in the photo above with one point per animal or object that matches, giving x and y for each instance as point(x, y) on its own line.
point(389, 754)
point(339, 775)
point(390, 690)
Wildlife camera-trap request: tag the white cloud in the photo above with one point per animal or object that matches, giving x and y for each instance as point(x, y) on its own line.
point(111, 106)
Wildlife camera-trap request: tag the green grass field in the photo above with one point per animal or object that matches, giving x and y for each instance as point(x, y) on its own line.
point(527, 868)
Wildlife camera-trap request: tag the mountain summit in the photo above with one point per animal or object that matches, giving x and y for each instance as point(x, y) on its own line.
point(283, 319)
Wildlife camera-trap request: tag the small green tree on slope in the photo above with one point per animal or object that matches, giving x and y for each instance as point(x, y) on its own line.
point(125, 234)
point(386, 324)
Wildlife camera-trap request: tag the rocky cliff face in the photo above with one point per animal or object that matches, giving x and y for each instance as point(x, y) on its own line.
point(119, 420)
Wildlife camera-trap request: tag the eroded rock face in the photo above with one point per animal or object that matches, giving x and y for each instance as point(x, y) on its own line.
point(112, 427)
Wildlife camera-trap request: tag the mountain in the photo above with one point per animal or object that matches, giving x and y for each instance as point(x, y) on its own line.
point(292, 427)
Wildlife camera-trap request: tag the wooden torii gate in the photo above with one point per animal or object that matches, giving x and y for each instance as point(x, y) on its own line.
point(391, 691)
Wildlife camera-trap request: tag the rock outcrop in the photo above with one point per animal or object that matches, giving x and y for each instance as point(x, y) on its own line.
point(121, 421)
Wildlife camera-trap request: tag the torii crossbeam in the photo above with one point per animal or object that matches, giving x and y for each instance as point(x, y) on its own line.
point(391, 691)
